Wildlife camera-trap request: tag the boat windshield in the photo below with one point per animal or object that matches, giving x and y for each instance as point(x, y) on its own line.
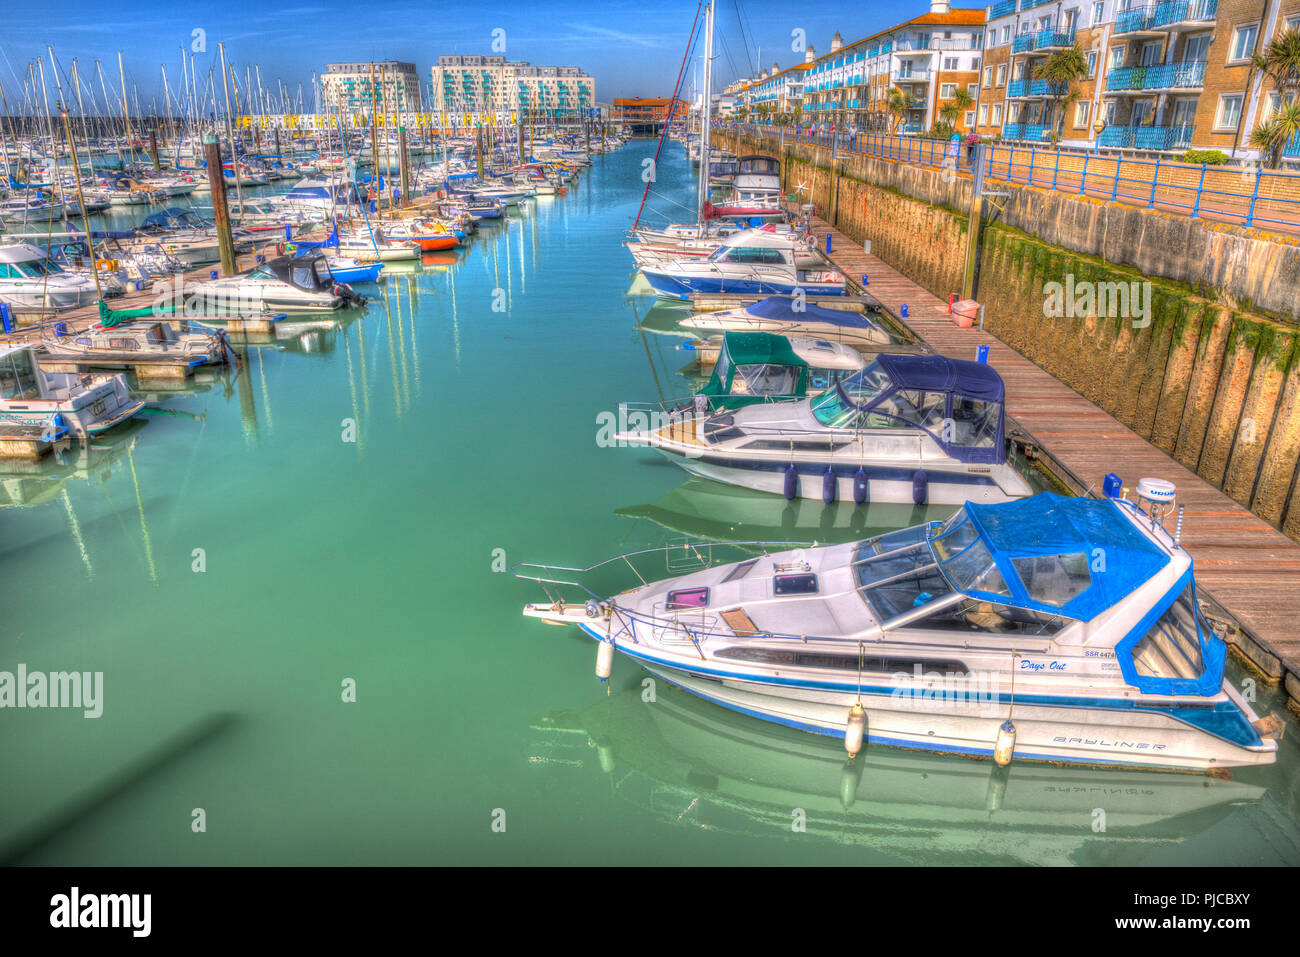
point(839, 406)
point(965, 559)
point(764, 379)
point(36, 268)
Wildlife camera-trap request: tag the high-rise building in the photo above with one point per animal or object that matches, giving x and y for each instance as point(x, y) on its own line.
point(346, 87)
point(471, 83)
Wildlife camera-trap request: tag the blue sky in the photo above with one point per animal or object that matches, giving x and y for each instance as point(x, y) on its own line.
point(632, 47)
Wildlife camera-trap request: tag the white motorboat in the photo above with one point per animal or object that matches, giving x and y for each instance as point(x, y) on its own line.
point(58, 402)
point(920, 429)
point(790, 317)
point(1049, 629)
point(284, 284)
point(751, 262)
point(32, 284)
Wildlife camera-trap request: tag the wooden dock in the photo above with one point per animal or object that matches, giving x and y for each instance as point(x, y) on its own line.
point(1250, 569)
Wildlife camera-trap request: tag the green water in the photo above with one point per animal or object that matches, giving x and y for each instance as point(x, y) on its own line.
point(375, 560)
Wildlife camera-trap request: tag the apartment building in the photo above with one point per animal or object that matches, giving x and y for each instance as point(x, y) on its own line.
point(775, 92)
point(929, 57)
point(1162, 77)
point(346, 87)
point(475, 84)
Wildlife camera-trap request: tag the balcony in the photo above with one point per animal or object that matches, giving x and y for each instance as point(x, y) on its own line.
point(1165, 76)
point(912, 76)
point(1146, 137)
point(1155, 18)
point(1003, 9)
point(1018, 88)
point(1292, 149)
point(1043, 40)
point(1033, 132)
point(1030, 4)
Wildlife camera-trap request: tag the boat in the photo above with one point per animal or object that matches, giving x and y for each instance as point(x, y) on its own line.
point(921, 429)
point(998, 633)
point(79, 404)
point(354, 270)
point(754, 367)
point(751, 262)
point(284, 284)
point(31, 283)
point(123, 338)
point(789, 317)
point(431, 237)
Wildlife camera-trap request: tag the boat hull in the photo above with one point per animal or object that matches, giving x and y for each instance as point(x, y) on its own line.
point(890, 483)
point(1075, 735)
point(683, 287)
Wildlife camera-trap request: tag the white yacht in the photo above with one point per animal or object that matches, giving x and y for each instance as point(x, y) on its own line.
point(998, 633)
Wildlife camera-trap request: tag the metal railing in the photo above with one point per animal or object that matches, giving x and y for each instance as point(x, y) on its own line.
point(1248, 195)
point(1164, 76)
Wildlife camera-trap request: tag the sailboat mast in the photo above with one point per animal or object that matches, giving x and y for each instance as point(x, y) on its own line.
point(704, 115)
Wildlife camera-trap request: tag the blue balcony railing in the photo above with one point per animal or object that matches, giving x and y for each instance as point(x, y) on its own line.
point(1165, 76)
point(1146, 137)
point(1034, 132)
point(1158, 16)
point(1293, 147)
point(1028, 87)
point(1022, 43)
point(1052, 39)
point(1005, 8)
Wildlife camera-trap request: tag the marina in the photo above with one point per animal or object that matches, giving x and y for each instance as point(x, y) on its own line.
point(641, 474)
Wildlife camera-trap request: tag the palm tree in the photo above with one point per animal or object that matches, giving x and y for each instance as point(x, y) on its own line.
point(1273, 135)
point(1062, 70)
point(898, 104)
point(1280, 62)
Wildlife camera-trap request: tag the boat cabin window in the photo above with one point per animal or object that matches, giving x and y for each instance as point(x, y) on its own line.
point(764, 379)
point(975, 423)
point(762, 255)
point(899, 581)
point(838, 407)
point(1054, 579)
point(1172, 648)
point(18, 376)
point(825, 378)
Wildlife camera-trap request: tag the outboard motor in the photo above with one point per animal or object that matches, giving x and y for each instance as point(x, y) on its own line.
point(349, 295)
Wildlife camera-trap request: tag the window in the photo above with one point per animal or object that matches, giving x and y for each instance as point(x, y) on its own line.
point(970, 119)
point(1092, 62)
point(1002, 74)
point(973, 90)
point(1006, 34)
point(947, 90)
point(1229, 111)
point(1172, 648)
point(997, 114)
point(1116, 57)
point(988, 76)
point(1098, 9)
point(1081, 113)
point(1151, 53)
point(1054, 579)
point(984, 114)
point(1243, 42)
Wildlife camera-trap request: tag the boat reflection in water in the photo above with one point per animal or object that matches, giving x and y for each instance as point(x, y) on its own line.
point(693, 764)
point(700, 508)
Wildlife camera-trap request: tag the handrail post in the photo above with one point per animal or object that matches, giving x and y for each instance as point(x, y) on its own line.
point(1032, 151)
point(1250, 216)
point(1083, 177)
point(1115, 188)
point(1155, 181)
point(1199, 185)
point(1057, 167)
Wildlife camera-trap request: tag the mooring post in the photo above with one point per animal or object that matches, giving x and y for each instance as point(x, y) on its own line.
point(220, 213)
point(153, 149)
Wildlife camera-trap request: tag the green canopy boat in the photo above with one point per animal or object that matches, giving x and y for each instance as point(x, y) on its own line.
point(756, 367)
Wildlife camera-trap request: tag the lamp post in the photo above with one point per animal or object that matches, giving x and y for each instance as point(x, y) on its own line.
point(1097, 128)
